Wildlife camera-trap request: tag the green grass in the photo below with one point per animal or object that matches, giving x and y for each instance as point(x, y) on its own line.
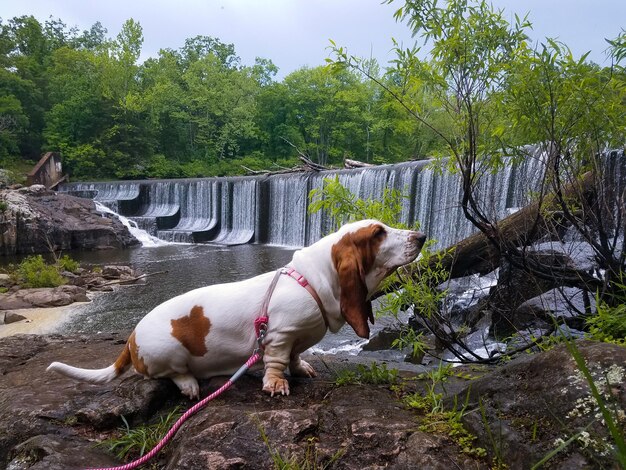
point(132, 443)
point(374, 375)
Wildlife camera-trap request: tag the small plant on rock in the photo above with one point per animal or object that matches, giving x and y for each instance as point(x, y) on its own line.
point(65, 263)
point(608, 324)
point(374, 375)
point(34, 272)
point(135, 442)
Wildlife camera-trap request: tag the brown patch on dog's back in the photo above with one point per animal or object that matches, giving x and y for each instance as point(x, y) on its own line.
point(138, 362)
point(191, 331)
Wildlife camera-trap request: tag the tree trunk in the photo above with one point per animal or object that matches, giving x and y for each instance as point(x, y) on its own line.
point(480, 254)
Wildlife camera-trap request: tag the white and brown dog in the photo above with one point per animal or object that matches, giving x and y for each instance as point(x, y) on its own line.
point(210, 331)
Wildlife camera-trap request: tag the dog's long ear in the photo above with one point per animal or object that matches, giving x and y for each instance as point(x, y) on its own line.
point(355, 307)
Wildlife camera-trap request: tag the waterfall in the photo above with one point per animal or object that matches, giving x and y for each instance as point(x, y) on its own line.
point(144, 237)
point(274, 209)
point(285, 200)
point(161, 210)
point(198, 214)
point(117, 196)
point(237, 211)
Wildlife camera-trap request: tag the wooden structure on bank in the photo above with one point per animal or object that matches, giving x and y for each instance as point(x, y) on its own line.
point(48, 171)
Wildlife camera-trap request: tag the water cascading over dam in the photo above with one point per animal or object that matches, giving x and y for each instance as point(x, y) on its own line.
point(273, 209)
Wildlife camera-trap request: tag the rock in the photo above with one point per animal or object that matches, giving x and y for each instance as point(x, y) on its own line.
point(5, 280)
point(424, 451)
point(35, 189)
point(54, 418)
point(33, 402)
point(526, 407)
point(382, 340)
point(10, 317)
point(43, 297)
point(50, 452)
point(50, 421)
point(116, 272)
point(102, 288)
point(36, 219)
point(515, 286)
point(13, 301)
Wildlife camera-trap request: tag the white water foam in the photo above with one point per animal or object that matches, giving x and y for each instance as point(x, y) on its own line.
point(144, 237)
point(352, 348)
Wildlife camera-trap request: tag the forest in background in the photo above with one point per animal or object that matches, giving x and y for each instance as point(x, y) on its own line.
point(198, 111)
point(190, 112)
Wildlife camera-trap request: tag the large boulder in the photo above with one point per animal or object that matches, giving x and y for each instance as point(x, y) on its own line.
point(527, 408)
point(35, 220)
point(519, 413)
point(43, 297)
point(38, 410)
point(51, 421)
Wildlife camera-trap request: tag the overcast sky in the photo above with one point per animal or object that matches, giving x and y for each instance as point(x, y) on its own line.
point(293, 33)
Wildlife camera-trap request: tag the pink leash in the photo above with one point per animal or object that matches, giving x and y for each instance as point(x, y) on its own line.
point(190, 412)
point(260, 328)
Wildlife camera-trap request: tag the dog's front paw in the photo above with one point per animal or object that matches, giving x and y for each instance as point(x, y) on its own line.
point(276, 385)
point(302, 369)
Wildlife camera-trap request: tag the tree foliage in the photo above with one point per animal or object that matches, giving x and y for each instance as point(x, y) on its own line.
point(500, 101)
point(192, 111)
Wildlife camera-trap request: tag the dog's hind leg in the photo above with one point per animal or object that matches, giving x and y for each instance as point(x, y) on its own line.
point(187, 384)
point(300, 368)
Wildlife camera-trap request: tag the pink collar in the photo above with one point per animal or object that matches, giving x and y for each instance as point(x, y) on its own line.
point(304, 283)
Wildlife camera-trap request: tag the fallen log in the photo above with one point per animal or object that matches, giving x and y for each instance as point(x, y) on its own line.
point(350, 164)
point(129, 280)
point(480, 254)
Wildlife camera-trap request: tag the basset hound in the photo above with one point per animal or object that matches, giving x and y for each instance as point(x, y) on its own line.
point(209, 331)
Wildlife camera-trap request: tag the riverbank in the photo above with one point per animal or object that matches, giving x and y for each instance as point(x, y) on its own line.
point(516, 413)
point(47, 310)
point(40, 321)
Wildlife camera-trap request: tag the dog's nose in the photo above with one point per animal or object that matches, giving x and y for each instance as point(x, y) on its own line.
point(417, 237)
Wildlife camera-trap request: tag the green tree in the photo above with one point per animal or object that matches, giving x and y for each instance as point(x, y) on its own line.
point(326, 114)
point(499, 95)
point(575, 111)
point(220, 107)
point(23, 78)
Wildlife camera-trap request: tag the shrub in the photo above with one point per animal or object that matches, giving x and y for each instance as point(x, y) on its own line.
point(34, 272)
point(65, 263)
point(609, 323)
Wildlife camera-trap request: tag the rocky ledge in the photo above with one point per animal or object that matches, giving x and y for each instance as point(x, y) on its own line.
point(519, 412)
point(35, 220)
point(78, 284)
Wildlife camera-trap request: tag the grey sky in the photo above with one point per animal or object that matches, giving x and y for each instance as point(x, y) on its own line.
point(293, 33)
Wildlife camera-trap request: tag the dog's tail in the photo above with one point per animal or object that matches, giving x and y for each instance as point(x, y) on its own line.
point(97, 376)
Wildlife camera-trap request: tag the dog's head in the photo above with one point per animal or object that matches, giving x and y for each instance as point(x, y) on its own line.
point(366, 253)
